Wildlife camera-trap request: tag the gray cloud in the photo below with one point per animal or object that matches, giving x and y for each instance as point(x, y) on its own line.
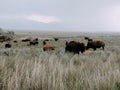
point(76, 15)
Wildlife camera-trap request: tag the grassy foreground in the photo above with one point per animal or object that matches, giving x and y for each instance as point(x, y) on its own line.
point(99, 70)
point(29, 68)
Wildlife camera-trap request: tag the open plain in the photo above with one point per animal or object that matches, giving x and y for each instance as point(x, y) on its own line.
point(29, 67)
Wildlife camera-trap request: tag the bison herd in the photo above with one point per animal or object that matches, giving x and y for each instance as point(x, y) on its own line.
point(77, 47)
point(72, 46)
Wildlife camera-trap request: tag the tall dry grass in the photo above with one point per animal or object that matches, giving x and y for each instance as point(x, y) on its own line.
point(99, 70)
point(29, 68)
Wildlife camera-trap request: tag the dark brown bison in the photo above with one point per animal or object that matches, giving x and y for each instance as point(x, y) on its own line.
point(26, 40)
point(8, 45)
point(90, 39)
point(36, 39)
point(56, 39)
point(34, 42)
point(75, 47)
point(44, 43)
point(48, 48)
point(86, 38)
point(15, 41)
point(46, 40)
point(95, 44)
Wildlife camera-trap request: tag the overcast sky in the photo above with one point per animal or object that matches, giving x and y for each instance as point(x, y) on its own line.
point(65, 15)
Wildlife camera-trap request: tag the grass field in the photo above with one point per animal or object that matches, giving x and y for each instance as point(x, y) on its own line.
point(25, 67)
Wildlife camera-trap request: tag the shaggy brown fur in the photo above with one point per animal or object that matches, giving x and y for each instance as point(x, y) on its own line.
point(75, 47)
point(48, 48)
point(95, 44)
point(8, 45)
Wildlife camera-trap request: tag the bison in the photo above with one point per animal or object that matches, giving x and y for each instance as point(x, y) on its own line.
point(8, 45)
point(44, 43)
point(15, 41)
point(46, 40)
point(33, 42)
point(86, 38)
point(75, 47)
point(26, 40)
point(90, 39)
point(95, 44)
point(36, 39)
point(48, 48)
point(56, 39)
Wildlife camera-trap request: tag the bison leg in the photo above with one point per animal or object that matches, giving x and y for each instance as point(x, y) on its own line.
point(66, 50)
point(82, 51)
point(94, 48)
point(76, 52)
point(103, 47)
